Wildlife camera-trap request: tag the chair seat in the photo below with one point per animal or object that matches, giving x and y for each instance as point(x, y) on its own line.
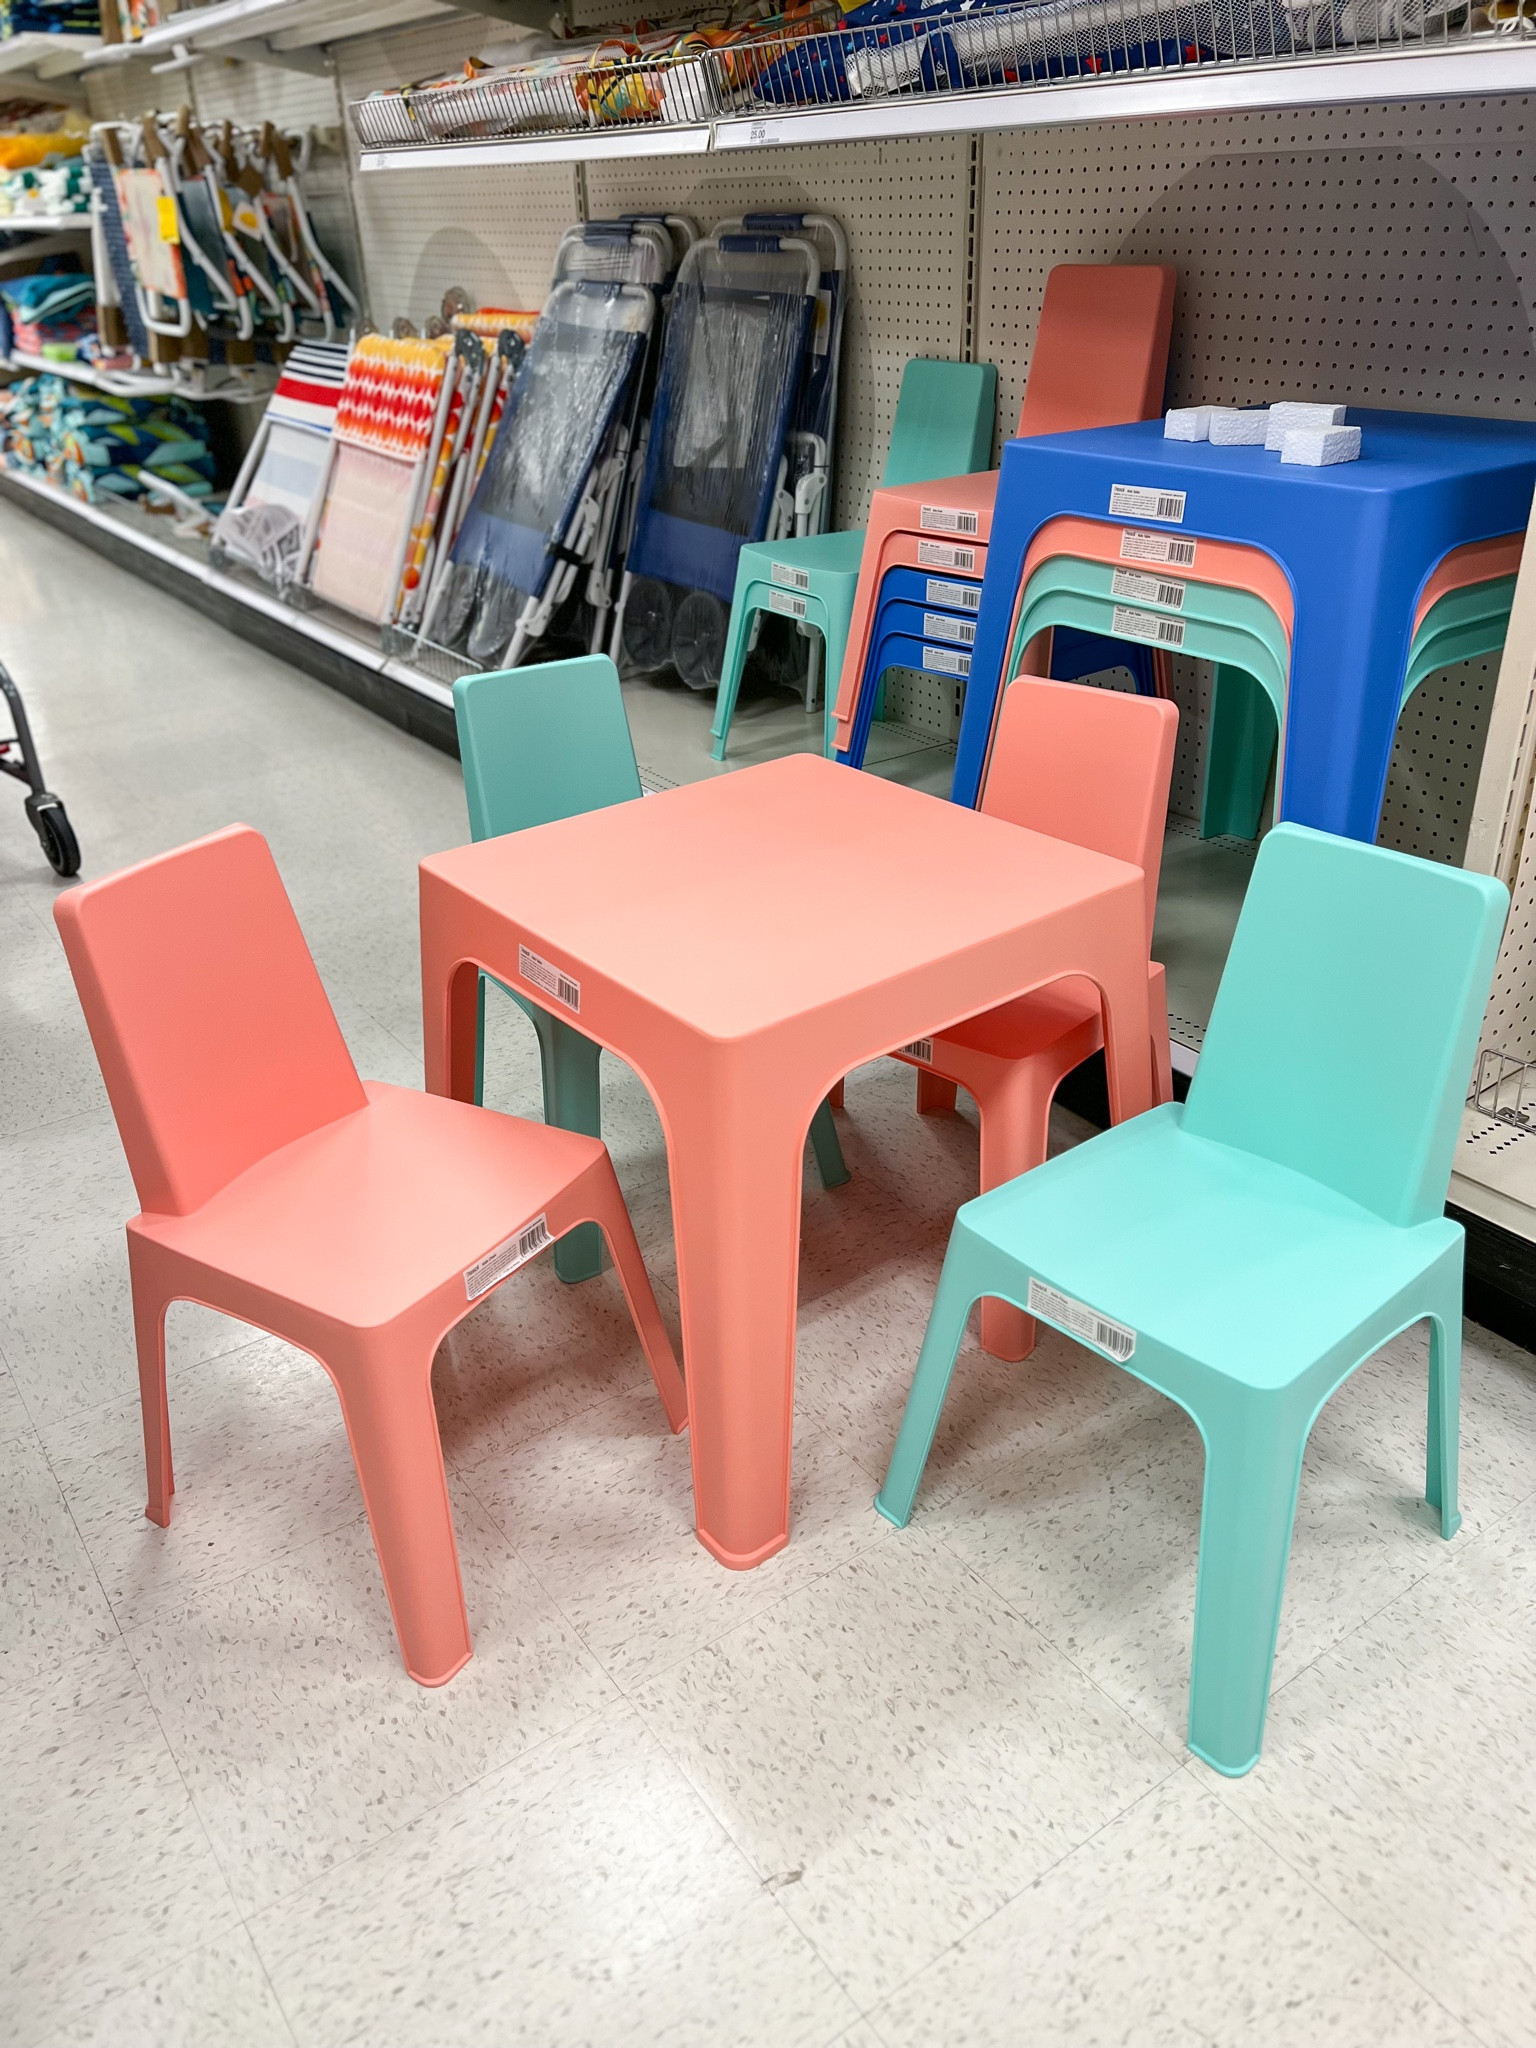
point(1032, 1023)
point(837, 554)
point(1237, 1264)
point(365, 1217)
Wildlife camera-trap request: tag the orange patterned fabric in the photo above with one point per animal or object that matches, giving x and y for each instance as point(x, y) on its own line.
point(390, 395)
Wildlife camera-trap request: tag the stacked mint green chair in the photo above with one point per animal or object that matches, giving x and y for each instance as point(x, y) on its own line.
point(943, 427)
point(539, 744)
point(1244, 1251)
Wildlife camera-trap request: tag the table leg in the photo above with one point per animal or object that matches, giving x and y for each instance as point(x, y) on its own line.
point(450, 988)
point(735, 1159)
point(1122, 979)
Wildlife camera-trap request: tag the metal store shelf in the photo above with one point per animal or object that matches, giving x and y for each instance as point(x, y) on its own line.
point(47, 56)
point(1470, 70)
point(354, 646)
point(269, 30)
point(43, 223)
point(126, 384)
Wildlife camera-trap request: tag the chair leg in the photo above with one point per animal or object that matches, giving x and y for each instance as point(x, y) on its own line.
point(573, 1101)
point(835, 1095)
point(1015, 1136)
point(479, 1040)
point(149, 1307)
point(386, 1400)
point(935, 1095)
point(825, 1143)
point(957, 1291)
point(1444, 1412)
point(1252, 1472)
point(615, 1224)
point(735, 660)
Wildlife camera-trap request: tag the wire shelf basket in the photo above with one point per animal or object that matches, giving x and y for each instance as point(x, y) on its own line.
point(1504, 1088)
point(983, 49)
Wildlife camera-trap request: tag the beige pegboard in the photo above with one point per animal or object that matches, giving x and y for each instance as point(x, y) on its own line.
point(121, 92)
point(493, 232)
point(249, 94)
point(1439, 748)
point(1510, 1022)
point(1382, 256)
point(903, 205)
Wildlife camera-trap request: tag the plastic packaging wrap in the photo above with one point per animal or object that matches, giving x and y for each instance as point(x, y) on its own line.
point(566, 397)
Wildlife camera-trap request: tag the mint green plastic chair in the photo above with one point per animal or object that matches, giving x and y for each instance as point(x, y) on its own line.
point(943, 427)
point(1252, 661)
point(538, 744)
point(1244, 1251)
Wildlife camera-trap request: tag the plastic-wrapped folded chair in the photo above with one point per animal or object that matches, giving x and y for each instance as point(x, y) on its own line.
point(536, 516)
point(740, 439)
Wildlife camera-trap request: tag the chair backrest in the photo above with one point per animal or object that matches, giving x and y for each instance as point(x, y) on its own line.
point(1092, 766)
point(945, 415)
point(1101, 350)
point(543, 743)
point(215, 1038)
point(1344, 1029)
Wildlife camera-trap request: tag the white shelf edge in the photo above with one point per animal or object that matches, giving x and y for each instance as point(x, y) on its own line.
point(44, 223)
point(591, 146)
point(311, 628)
point(206, 28)
point(128, 383)
point(1474, 71)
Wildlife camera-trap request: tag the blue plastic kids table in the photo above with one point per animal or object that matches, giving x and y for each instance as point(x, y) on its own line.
point(1357, 541)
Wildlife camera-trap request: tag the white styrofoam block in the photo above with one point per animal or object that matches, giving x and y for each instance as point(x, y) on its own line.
point(1289, 415)
point(1187, 423)
point(1234, 428)
point(1320, 446)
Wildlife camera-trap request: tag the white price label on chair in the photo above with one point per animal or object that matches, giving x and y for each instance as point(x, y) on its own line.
point(1150, 589)
point(942, 626)
point(1080, 1320)
point(1172, 548)
point(946, 661)
point(945, 519)
point(790, 577)
point(937, 554)
point(1133, 625)
point(960, 597)
point(786, 601)
point(512, 1252)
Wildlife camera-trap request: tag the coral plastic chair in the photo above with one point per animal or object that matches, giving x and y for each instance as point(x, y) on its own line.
point(1092, 766)
point(355, 1220)
point(539, 744)
point(1245, 1251)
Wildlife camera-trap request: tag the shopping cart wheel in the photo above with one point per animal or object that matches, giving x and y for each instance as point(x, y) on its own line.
point(56, 834)
point(698, 639)
point(648, 623)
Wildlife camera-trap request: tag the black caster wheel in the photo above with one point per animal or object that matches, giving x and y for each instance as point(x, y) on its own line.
point(648, 624)
point(55, 833)
point(698, 639)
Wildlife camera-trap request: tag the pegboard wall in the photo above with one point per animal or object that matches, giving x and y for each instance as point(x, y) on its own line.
point(907, 257)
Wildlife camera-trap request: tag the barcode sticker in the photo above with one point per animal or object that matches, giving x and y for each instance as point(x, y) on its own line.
point(513, 1252)
point(1081, 1320)
point(1137, 501)
point(1129, 625)
point(945, 519)
point(535, 968)
point(790, 577)
point(919, 1049)
point(1156, 547)
point(942, 626)
point(1150, 589)
point(946, 661)
point(960, 597)
point(935, 554)
point(787, 602)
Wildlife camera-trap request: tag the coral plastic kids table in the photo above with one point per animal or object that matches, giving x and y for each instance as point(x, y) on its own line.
point(695, 936)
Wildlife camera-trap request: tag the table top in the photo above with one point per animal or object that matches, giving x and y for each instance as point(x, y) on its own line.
point(741, 902)
point(1398, 451)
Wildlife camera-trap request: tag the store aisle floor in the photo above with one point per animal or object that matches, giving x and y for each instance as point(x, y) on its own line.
point(914, 1789)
